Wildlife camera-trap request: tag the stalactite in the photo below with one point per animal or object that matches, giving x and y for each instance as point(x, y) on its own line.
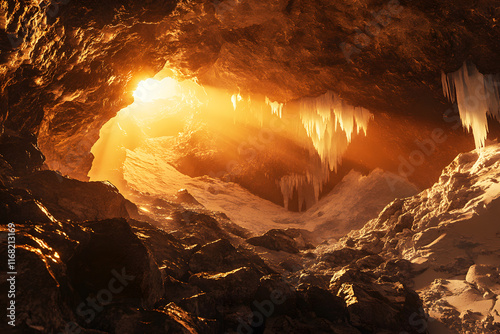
point(477, 97)
point(276, 107)
point(330, 123)
point(235, 98)
point(308, 187)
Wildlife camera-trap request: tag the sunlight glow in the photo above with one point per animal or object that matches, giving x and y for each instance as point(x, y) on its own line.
point(150, 90)
point(174, 120)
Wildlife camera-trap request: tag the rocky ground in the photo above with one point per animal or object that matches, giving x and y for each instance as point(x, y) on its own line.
point(89, 261)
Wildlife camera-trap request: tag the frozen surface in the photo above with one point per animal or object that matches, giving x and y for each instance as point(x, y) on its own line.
point(351, 204)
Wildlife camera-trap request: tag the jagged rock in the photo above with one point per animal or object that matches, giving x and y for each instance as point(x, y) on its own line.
point(202, 305)
point(170, 254)
point(444, 232)
point(346, 275)
point(114, 253)
point(276, 291)
point(176, 290)
point(290, 240)
point(238, 285)
point(322, 302)
point(169, 319)
point(396, 270)
point(343, 256)
point(19, 206)
point(291, 265)
point(369, 262)
point(41, 285)
point(183, 196)
point(197, 228)
point(21, 153)
point(190, 322)
point(382, 306)
point(317, 279)
point(221, 256)
point(287, 324)
point(43, 248)
point(69, 199)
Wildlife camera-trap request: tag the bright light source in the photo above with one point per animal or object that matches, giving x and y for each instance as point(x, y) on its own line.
point(150, 90)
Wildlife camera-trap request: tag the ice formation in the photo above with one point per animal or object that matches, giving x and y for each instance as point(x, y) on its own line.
point(477, 97)
point(330, 123)
point(235, 98)
point(276, 107)
point(308, 187)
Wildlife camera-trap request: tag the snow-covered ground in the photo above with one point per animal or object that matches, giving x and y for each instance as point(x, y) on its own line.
point(350, 205)
point(451, 234)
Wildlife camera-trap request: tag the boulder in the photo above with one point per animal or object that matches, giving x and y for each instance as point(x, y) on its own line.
point(322, 303)
point(69, 199)
point(222, 256)
point(114, 265)
point(290, 240)
point(237, 286)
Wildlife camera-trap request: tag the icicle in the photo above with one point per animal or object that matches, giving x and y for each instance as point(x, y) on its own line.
point(476, 95)
point(330, 123)
point(276, 107)
point(236, 98)
point(308, 187)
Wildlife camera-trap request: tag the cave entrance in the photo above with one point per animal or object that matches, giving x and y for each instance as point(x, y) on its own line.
point(180, 135)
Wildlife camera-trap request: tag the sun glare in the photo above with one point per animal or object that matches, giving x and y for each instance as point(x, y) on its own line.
point(150, 90)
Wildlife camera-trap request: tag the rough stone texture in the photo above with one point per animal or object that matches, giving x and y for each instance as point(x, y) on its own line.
point(70, 274)
point(289, 240)
point(66, 69)
point(76, 200)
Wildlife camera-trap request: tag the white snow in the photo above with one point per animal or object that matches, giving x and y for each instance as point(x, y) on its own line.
point(351, 204)
point(452, 236)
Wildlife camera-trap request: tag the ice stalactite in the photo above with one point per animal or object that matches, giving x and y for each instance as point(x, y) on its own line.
point(477, 96)
point(276, 107)
point(308, 187)
point(330, 123)
point(235, 98)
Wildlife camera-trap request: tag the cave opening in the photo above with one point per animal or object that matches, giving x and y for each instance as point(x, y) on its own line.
point(190, 135)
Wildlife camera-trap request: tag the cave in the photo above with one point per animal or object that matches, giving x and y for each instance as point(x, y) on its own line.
point(242, 166)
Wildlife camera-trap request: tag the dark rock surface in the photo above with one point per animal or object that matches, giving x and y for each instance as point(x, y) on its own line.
point(70, 199)
point(290, 240)
point(124, 275)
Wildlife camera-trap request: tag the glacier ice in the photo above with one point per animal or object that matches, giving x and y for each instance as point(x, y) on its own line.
point(477, 97)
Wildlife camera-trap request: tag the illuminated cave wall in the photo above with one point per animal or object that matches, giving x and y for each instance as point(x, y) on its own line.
point(64, 73)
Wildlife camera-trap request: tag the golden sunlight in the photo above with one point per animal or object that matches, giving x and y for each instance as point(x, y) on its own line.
point(174, 120)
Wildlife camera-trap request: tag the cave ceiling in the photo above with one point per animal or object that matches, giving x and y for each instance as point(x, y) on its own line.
point(67, 67)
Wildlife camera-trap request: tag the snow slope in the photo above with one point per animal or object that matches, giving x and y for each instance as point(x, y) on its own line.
point(451, 235)
point(351, 204)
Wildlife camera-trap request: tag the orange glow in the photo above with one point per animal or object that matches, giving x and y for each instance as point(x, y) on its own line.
point(167, 108)
point(171, 120)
